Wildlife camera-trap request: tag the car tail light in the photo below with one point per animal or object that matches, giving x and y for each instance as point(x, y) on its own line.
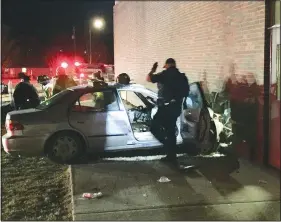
point(12, 125)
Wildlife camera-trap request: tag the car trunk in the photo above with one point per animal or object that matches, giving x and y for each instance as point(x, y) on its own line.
point(26, 115)
point(34, 122)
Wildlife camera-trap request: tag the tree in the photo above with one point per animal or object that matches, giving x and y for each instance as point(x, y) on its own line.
point(9, 48)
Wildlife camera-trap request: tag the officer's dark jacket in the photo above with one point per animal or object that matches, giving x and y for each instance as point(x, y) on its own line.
point(25, 96)
point(61, 83)
point(168, 82)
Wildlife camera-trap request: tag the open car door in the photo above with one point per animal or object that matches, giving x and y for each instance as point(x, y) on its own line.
point(196, 122)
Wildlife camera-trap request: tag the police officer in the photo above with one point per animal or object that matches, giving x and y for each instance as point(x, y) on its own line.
point(170, 100)
point(62, 81)
point(25, 95)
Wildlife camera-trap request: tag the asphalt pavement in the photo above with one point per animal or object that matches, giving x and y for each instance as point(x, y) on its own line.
point(131, 190)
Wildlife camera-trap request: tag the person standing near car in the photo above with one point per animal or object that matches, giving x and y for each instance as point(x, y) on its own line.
point(173, 87)
point(62, 82)
point(25, 95)
point(98, 76)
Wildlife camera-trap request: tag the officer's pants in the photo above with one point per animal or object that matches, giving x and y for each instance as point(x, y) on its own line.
point(163, 126)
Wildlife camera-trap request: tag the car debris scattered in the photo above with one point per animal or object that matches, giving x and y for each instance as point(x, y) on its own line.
point(190, 167)
point(262, 182)
point(164, 180)
point(92, 195)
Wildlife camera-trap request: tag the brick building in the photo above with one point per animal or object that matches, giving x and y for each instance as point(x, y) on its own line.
point(207, 38)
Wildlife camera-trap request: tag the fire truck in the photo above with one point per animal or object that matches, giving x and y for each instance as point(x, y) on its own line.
point(88, 71)
point(85, 71)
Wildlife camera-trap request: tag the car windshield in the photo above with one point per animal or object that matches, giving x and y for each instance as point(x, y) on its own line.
point(53, 100)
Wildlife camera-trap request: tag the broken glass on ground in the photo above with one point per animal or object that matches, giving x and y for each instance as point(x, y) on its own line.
point(164, 180)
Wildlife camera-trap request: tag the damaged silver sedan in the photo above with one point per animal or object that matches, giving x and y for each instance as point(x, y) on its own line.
point(87, 119)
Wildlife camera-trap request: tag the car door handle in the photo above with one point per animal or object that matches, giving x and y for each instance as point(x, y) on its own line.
point(80, 122)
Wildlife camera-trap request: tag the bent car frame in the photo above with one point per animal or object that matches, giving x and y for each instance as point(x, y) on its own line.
point(87, 119)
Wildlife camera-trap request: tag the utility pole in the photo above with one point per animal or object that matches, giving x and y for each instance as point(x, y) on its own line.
point(74, 41)
point(97, 24)
point(90, 45)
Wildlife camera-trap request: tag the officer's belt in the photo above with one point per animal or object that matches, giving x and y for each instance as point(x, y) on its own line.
point(172, 101)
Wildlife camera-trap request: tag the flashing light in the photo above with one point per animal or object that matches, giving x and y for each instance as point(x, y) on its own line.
point(82, 75)
point(23, 70)
point(77, 63)
point(64, 65)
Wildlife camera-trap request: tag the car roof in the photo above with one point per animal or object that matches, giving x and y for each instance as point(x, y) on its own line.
point(109, 86)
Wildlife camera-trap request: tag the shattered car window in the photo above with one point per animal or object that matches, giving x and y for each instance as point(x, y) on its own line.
point(194, 98)
point(97, 101)
point(54, 99)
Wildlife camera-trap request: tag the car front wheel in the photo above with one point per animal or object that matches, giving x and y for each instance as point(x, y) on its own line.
point(64, 147)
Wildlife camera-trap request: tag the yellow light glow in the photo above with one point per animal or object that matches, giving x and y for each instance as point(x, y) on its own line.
point(98, 23)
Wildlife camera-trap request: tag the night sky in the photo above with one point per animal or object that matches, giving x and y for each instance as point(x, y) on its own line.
point(42, 24)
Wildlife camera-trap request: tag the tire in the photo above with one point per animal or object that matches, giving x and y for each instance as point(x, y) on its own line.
point(65, 147)
point(206, 134)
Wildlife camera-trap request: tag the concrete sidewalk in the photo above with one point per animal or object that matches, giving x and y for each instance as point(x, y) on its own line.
point(132, 192)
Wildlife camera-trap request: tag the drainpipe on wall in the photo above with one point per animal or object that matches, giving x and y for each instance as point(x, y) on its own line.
point(267, 77)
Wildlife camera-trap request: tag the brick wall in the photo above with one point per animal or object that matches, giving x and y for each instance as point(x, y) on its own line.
point(206, 38)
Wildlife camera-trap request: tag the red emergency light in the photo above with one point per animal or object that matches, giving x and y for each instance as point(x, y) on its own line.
point(64, 65)
point(77, 63)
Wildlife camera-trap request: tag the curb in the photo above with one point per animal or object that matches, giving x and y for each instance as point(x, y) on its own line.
point(71, 191)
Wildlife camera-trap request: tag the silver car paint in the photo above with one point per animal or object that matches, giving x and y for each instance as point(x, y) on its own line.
point(39, 125)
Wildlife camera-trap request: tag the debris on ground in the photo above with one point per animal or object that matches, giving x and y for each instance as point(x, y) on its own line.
point(164, 180)
point(92, 195)
point(138, 158)
point(187, 167)
point(262, 182)
point(215, 154)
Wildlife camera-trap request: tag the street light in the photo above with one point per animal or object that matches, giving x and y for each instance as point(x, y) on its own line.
point(97, 23)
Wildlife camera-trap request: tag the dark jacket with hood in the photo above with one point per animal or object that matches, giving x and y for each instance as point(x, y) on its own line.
point(25, 96)
point(61, 83)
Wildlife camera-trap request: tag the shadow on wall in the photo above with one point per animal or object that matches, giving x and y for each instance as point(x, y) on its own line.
point(242, 98)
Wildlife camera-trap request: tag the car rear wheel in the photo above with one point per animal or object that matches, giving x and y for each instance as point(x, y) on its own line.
point(65, 147)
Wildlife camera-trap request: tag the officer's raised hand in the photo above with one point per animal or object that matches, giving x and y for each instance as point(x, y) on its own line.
point(151, 77)
point(154, 67)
